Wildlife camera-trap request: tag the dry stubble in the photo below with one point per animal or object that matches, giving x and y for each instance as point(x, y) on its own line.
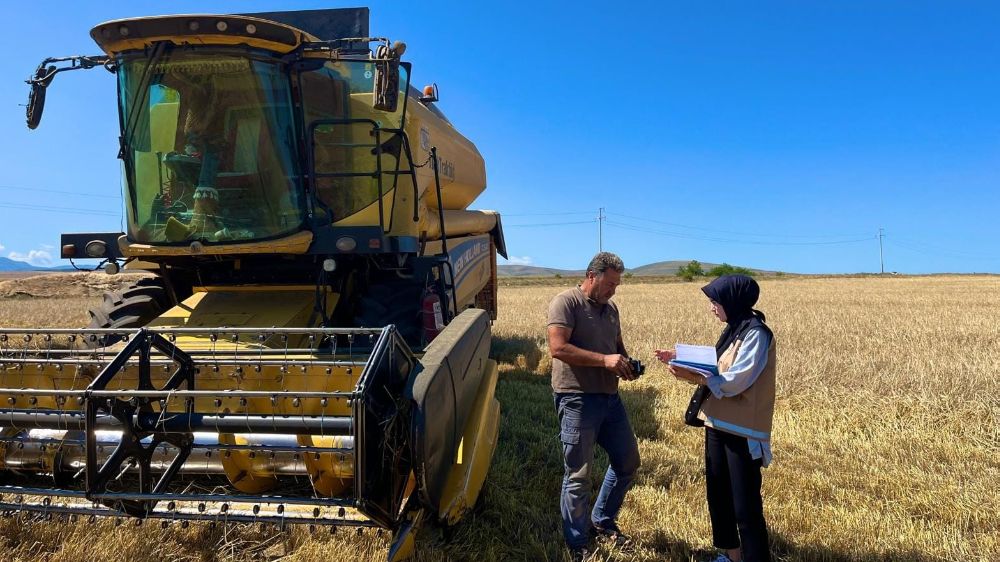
point(886, 441)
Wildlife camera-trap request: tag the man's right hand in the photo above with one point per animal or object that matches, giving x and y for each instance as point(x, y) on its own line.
point(618, 364)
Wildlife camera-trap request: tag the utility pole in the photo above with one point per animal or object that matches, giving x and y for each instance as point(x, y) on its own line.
point(881, 259)
point(600, 229)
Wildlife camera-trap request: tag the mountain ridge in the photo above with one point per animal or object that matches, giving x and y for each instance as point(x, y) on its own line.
point(660, 268)
point(9, 265)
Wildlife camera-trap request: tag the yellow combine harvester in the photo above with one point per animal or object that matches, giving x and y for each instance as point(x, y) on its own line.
point(312, 345)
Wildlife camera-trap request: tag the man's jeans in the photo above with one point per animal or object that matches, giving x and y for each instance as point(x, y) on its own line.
point(586, 419)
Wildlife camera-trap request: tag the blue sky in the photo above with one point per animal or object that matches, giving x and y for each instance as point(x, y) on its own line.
point(776, 135)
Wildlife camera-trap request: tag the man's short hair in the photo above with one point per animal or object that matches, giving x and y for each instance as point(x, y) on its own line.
point(605, 261)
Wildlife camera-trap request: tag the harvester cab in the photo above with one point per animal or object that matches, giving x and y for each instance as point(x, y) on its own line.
point(317, 286)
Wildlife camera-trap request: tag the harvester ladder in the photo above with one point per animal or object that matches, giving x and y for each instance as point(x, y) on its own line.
point(377, 149)
point(449, 280)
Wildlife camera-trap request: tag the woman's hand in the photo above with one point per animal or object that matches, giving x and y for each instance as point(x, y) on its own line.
point(685, 375)
point(665, 355)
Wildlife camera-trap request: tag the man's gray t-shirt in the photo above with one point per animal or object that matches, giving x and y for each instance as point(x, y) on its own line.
point(595, 327)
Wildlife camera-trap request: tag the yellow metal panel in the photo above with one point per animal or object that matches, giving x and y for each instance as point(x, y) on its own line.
point(253, 288)
point(113, 47)
point(368, 216)
point(461, 167)
point(243, 307)
point(475, 452)
point(297, 243)
point(212, 309)
point(217, 374)
point(461, 222)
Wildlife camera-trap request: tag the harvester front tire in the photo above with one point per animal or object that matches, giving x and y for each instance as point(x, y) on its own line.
point(392, 303)
point(133, 307)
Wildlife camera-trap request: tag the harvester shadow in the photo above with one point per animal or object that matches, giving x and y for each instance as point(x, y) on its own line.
point(785, 550)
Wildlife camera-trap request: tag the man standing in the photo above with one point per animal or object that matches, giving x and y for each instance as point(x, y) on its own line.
point(588, 358)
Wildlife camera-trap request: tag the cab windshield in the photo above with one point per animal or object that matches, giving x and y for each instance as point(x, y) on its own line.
point(209, 148)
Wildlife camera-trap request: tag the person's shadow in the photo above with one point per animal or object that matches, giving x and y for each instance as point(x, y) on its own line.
point(522, 352)
point(669, 548)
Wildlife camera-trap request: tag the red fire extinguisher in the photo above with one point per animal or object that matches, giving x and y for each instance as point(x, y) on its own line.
point(433, 315)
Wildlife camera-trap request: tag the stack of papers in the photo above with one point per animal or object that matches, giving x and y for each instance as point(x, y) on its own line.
point(698, 358)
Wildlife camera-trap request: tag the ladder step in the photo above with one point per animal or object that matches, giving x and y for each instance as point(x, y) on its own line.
point(349, 144)
point(348, 175)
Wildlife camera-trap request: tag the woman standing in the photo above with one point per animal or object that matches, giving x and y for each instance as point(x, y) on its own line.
point(736, 407)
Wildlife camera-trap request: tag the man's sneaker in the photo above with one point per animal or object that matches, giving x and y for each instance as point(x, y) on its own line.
point(613, 536)
point(579, 554)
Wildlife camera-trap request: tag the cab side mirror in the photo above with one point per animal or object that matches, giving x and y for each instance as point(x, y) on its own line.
point(386, 90)
point(36, 97)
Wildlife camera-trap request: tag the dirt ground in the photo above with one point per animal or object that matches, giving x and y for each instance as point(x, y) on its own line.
point(67, 284)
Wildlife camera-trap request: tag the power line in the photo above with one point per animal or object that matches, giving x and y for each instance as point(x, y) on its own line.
point(603, 215)
point(936, 251)
point(546, 214)
point(734, 240)
point(39, 189)
point(715, 230)
point(54, 209)
point(549, 224)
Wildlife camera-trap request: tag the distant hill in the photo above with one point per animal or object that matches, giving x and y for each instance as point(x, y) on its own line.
point(533, 271)
point(659, 268)
point(666, 267)
point(7, 264)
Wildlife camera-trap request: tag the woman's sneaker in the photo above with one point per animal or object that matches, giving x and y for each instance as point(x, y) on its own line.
point(581, 554)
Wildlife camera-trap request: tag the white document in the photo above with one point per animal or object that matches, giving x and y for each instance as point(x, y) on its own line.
point(697, 358)
point(697, 354)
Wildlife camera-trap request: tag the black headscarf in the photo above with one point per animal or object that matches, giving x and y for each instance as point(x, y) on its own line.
point(737, 294)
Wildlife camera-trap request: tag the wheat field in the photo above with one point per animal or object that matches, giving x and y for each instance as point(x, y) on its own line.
point(886, 441)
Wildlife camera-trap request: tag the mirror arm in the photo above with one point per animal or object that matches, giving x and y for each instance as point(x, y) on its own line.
point(333, 47)
point(46, 70)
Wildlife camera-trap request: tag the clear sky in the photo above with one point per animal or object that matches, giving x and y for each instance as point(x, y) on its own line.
point(775, 135)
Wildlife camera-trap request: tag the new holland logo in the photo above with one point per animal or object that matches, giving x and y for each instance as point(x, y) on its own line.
point(477, 249)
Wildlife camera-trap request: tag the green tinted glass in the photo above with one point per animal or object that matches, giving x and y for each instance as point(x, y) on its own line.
point(211, 143)
point(347, 169)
